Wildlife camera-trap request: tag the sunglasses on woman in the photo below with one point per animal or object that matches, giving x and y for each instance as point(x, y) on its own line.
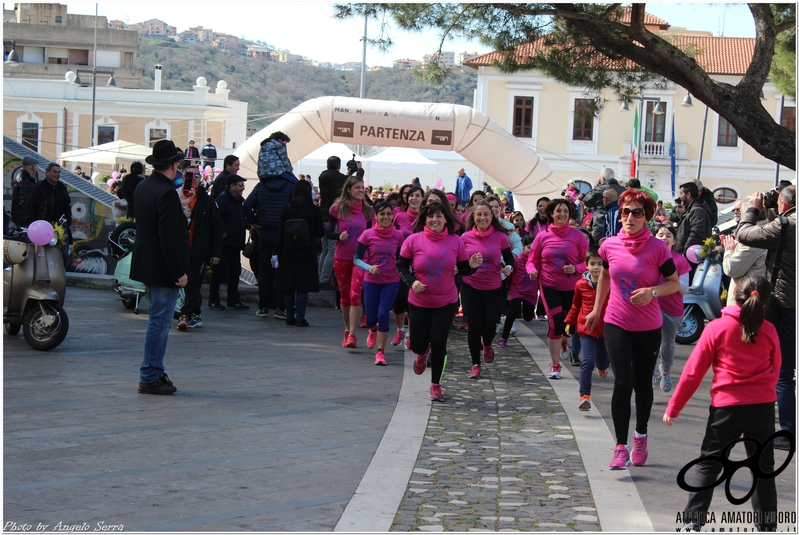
point(637, 213)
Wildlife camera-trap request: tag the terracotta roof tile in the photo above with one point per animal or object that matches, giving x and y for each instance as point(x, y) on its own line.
point(716, 55)
point(649, 18)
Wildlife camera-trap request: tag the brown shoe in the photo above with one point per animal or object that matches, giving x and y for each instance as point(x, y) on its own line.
point(162, 386)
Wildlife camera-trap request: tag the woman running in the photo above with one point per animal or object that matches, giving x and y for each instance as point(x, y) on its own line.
point(404, 221)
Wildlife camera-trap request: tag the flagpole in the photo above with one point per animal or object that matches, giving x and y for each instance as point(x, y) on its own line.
point(641, 123)
point(673, 154)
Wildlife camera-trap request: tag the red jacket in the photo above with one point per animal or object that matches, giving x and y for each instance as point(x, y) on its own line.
point(582, 305)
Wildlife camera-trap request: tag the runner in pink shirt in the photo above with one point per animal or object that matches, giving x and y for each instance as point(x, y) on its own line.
point(538, 224)
point(377, 255)
point(522, 294)
point(427, 264)
point(403, 221)
point(634, 261)
point(481, 292)
point(349, 218)
point(671, 308)
point(557, 261)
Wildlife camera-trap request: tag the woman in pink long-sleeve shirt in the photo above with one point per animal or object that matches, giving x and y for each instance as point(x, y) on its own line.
point(557, 261)
point(744, 351)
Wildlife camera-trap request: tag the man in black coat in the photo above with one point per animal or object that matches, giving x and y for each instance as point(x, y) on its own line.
point(129, 184)
point(232, 165)
point(234, 233)
point(331, 182)
point(21, 190)
point(49, 200)
point(695, 225)
point(160, 258)
point(205, 244)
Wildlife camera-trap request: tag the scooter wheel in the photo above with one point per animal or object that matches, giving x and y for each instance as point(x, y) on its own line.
point(37, 334)
point(693, 323)
point(129, 302)
point(12, 330)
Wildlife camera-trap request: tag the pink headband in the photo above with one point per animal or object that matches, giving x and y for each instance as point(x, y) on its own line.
point(451, 197)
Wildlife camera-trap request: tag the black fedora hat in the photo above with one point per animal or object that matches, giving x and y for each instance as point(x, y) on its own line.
point(164, 153)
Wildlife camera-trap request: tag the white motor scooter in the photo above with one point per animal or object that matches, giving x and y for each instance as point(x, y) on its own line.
point(703, 300)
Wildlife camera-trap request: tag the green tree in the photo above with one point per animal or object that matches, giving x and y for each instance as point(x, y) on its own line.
point(783, 69)
point(598, 47)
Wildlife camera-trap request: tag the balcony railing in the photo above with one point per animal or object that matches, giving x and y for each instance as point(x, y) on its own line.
point(657, 150)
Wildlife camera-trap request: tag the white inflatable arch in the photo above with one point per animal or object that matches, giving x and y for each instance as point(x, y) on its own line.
point(384, 123)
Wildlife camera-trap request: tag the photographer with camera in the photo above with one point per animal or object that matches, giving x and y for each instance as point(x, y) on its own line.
point(779, 237)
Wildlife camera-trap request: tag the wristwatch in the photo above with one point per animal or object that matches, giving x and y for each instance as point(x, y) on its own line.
point(654, 292)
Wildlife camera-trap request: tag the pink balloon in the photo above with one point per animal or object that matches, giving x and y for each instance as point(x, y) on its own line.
point(115, 175)
point(439, 183)
point(692, 254)
point(217, 170)
point(40, 232)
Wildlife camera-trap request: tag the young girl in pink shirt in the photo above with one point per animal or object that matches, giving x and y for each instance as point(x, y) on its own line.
point(744, 351)
point(377, 256)
point(349, 217)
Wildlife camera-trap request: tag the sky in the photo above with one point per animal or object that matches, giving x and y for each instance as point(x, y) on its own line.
point(308, 28)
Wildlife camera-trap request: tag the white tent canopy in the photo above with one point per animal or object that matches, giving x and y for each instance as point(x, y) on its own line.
point(108, 153)
point(401, 158)
point(320, 155)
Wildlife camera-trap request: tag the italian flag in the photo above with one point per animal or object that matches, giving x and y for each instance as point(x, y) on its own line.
point(635, 146)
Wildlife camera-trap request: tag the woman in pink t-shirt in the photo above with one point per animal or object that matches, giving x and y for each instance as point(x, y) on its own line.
point(671, 307)
point(634, 262)
point(427, 264)
point(481, 292)
point(557, 261)
point(377, 255)
point(403, 221)
point(538, 224)
point(349, 217)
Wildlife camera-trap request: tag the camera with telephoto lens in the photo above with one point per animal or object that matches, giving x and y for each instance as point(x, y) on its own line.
point(352, 165)
point(770, 199)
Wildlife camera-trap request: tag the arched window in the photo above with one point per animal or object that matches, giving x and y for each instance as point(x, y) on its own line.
point(725, 195)
point(583, 186)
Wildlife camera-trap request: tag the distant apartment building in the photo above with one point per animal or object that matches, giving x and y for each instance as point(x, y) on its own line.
point(186, 37)
point(284, 56)
point(445, 59)
point(116, 25)
point(351, 66)
point(407, 64)
point(225, 42)
point(203, 35)
point(464, 56)
point(51, 42)
point(258, 51)
point(158, 28)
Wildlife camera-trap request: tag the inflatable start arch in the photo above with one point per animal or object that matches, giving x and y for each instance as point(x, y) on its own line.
point(355, 121)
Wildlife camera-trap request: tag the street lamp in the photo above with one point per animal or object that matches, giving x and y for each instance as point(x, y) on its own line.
point(13, 57)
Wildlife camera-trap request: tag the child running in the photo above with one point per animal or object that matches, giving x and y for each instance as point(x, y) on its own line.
point(377, 255)
point(744, 351)
point(522, 294)
point(593, 341)
point(671, 308)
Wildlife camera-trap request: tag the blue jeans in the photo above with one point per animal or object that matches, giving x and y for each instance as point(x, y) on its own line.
point(577, 345)
point(594, 355)
point(301, 302)
point(786, 384)
point(162, 307)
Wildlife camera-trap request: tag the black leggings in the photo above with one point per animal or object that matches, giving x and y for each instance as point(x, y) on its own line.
point(516, 306)
point(430, 327)
point(557, 304)
point(480, 306)
point(401, 301)
point(633, 355)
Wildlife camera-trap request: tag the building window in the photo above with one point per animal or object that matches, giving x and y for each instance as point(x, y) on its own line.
point(58, 61)
point(583, 119)
point(725, 195)
point(58, 19)
point(523, 117)
point(30, 136)
point(583, 186)
point(105, 134)
point(157, 134)
point(655, 124)
point(789, 118)
point(728, 137)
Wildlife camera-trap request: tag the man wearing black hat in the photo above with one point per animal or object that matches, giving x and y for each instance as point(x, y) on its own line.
point(21, 190)
point(235, 229)
point(160, 258)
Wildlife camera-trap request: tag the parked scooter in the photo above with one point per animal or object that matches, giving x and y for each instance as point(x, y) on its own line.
point(34, 286)
point(120, 246)
point(703, 300)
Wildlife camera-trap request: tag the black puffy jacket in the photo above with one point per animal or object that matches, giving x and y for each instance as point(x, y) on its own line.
point(265, 204)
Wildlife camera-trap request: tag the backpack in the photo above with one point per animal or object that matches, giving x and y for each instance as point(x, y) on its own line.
point(295, 233)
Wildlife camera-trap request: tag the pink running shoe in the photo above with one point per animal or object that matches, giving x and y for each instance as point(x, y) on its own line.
point(621, 458)
point(371, 339)
point(435, 392)
point(639, 453)
point(398, 338)
point(351, 342)
point(420, 364)
point(344, 342)
point(475, 373)
point(488, 354)
point(408, 342)
point(380, 358)
point(502, 343)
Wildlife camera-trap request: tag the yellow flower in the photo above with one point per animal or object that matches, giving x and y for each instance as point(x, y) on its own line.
point(60, 233)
